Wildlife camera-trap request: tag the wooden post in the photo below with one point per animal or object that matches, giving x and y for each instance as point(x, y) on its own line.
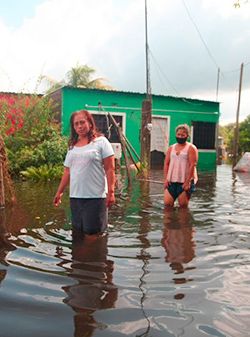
point(7, 193)
point(2, 195)
point(123, 145)
point(236, 130)
point(124, 153)
point(146, 134)
point(146, 118)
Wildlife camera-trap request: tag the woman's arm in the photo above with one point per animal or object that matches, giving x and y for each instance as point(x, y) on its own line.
point(109, 167)
point(192, 161)
point(64, 182)
point(166, 167)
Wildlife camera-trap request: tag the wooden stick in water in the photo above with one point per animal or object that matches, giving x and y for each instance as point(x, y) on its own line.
point(152, 181)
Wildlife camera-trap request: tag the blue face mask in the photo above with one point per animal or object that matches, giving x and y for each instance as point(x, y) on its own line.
point(181, 140)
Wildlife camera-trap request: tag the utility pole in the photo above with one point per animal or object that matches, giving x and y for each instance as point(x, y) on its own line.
point(217, 124)
point(148, 86)
point(146, 118)
point(236, 130)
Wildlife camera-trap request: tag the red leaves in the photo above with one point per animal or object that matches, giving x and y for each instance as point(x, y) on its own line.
point(12, 110)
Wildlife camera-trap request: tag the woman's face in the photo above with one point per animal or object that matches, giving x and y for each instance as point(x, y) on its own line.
point(81, 125)
point(181, 133)
point(181, 136)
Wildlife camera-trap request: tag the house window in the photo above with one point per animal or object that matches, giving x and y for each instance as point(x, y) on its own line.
point(105, 126)
point(204, 135)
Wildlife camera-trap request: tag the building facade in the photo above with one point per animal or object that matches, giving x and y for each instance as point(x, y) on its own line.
point(167, 112)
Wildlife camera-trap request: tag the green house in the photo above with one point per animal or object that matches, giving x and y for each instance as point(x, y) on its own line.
point(167, 112)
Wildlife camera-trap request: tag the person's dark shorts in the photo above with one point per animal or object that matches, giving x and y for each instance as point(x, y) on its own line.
point(89, 216)
point(175, 189)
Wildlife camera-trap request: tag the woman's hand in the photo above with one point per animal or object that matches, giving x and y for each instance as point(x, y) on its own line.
point(110, 199)
point(57, 199)
point(186, 185)
point(166, 184)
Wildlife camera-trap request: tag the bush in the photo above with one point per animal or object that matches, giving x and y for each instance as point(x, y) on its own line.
point(43, 173)
point(32, 137)
point(50, 152)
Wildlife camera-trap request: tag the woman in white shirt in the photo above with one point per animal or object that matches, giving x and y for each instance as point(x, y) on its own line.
point(89, 170)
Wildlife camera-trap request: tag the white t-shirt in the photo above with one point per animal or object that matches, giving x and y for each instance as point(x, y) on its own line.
point(87, 175)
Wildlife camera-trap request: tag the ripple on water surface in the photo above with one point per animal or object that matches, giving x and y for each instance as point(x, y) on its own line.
point(157, 273)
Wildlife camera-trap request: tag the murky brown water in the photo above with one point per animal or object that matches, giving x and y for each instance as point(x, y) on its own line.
point(157, 273)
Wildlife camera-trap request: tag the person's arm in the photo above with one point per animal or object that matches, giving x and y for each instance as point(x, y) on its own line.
point(166, 167)
point(109, 168)
point(64, 182)
point(192, 160)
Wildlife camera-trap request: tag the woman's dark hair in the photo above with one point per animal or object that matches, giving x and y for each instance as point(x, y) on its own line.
point(93, 132)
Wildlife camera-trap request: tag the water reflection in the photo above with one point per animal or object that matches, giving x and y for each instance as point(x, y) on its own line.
point(178, 242)
point(3, 241)
point(93, 288)
point(144, 216)
point(183, 272)
point(144, 256)
point(3, 229)
point(5, 244)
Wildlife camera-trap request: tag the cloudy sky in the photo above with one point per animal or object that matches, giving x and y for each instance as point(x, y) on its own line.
point(189, 40)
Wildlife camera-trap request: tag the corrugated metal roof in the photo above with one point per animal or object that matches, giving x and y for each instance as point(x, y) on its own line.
point(18, 93)
point(135, 93)
point(113, 91)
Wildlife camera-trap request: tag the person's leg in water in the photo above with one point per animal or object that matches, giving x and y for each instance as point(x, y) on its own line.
point(185, 196)
point(171, 193)
point(168, 199)
point(89, 217)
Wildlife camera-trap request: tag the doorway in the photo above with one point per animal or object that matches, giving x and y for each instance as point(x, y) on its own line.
point(159, 140)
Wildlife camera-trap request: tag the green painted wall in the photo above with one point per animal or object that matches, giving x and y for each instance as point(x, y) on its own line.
point(207, 161)
point(179, 111)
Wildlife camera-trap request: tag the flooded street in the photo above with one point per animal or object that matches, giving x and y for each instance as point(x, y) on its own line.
point(157, 273)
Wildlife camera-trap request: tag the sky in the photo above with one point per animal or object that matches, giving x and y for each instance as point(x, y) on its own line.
point(196, 47)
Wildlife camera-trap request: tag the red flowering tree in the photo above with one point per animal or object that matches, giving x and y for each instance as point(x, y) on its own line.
point(14, 110)
point(31, 134)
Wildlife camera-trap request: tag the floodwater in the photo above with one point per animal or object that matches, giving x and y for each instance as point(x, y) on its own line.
point(157, 273)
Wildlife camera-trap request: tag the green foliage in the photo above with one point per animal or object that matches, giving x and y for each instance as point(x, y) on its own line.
point(38, 141)
point(52, 84)
point(39, 151)
point(37, 118)
point(238, 3)
point(79, 76)
point(45, 172)
point(228, 134)
point(244, 130)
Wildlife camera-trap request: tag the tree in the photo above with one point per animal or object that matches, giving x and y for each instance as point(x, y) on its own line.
point(244, 139)
point(79, 76)
point(7, 193)
point(29, 131)
point(227, 133)
point(53, 84)
point(238, 3)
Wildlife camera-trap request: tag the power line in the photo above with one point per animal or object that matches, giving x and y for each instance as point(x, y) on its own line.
point(198, 31)
point(206, 46)
point(236, 70)
point(169, 82)
point(163, 74)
